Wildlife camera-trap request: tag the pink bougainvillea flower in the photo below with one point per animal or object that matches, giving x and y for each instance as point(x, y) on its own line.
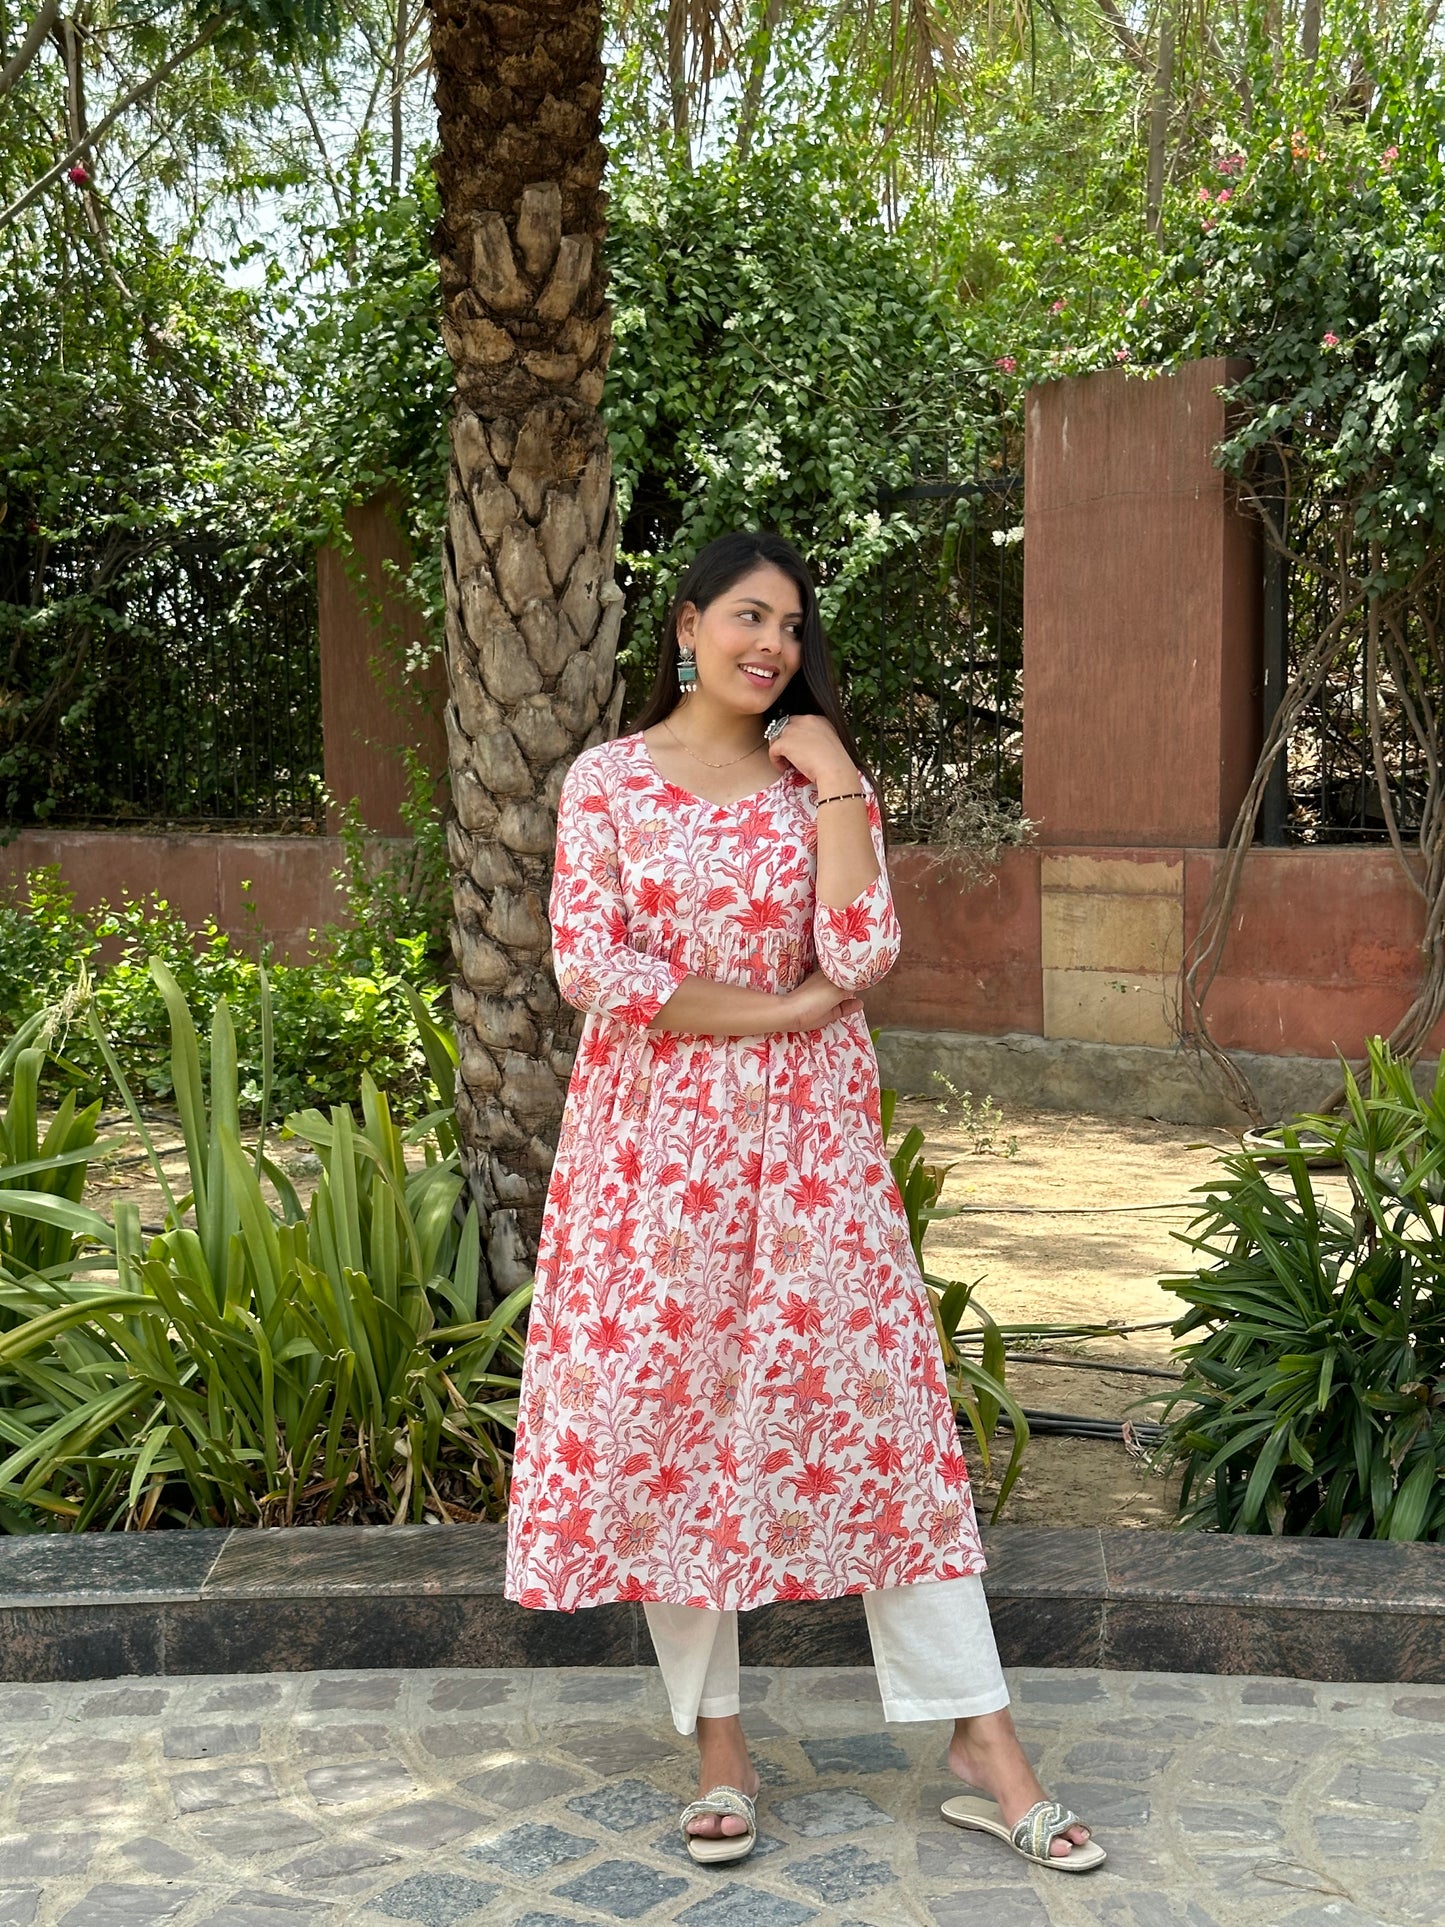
point(1330, 340)
point(1389, 157)
point(1057, 308)
point(1121, 354)
point(1006, 365)
point(1224, 194)
point(1230, 163)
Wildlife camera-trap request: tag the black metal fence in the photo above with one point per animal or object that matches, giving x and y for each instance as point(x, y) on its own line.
point(191, 689)
point(1325, 789)
point(937, 704)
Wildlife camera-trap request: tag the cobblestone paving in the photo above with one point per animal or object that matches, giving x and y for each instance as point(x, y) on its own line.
point(546, 1799)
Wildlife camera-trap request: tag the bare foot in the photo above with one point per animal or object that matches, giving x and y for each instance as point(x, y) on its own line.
point(723, 1760)
point(986, 1752)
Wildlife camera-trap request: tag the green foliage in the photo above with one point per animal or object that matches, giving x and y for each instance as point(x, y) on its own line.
point(149, 405)
point(283, 27)
point(781, 358)
point(1312, 1402)
point(979, 1119)
point(1315, 247)
point(254, 1363)
point(360, 340)
point(395, 895)
point(131, 392)
point(48, 1166)
point(334, 1018)
point(1035, 228)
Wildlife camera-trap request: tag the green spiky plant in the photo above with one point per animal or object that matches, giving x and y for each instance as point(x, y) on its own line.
point(1314, 1400)
point(39, 1169)
point(254, 1361)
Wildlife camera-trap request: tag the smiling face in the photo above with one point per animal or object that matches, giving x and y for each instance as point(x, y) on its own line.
point(748, 641)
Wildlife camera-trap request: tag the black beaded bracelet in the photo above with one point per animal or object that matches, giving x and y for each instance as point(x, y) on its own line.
point(843, 796)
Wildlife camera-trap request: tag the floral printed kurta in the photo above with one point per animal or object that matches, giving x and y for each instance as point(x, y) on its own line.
point(733, 1391)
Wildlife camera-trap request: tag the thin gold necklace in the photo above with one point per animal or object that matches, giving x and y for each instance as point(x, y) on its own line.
point(703, 759)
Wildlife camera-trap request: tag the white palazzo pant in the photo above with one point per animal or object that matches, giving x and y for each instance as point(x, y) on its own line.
point(933, 1650)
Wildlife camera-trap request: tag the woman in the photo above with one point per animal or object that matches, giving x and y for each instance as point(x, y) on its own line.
point(733, 1390)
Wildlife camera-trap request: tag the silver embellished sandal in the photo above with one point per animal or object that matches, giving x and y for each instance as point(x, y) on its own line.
point(1034, 1834)
point(715, 1850)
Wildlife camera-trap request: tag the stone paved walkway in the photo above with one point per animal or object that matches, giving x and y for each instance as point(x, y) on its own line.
point(547, 1799)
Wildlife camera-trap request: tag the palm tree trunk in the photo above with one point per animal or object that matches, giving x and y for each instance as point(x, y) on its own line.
point(532, 612)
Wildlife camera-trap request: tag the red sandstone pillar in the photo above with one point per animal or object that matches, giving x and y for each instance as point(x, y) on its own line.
point(1142, 608)
point(371, 706)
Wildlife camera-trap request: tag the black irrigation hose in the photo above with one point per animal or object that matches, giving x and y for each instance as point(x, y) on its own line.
point(1056, 1210)
point(144, 1157)
point(1091, 1365)
point(1070, 1425)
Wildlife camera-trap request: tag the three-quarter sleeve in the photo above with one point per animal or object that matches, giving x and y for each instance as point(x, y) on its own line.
point(859, 942)
point(596, 967)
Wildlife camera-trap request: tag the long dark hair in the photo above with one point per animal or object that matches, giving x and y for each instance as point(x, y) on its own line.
point(813, 691)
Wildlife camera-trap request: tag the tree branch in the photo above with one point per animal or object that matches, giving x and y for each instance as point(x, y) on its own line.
point(103, 126)
point(79, 133)
point(30, 46)
point(1124, 34)
point(321, 147)
point(398, 82)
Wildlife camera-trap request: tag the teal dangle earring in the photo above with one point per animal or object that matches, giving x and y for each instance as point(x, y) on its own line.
point(686, 671)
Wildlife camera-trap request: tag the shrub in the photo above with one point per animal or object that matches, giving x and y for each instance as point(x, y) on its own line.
point(254, 1363)
point(334, 1018)
point(1313, 1399)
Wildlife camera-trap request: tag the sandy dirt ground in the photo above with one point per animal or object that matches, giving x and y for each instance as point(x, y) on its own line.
point(1055, 1233)
point(1078, 1226)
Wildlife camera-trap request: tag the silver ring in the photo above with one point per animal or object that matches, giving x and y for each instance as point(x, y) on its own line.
point(775, 728)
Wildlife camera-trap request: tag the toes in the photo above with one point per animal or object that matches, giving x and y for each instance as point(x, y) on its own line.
point(1063, 1844)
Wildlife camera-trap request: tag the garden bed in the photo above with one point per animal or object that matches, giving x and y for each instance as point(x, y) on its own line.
point(1054, 1232)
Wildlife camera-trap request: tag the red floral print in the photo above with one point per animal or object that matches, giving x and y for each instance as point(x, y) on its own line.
point(732, 1391)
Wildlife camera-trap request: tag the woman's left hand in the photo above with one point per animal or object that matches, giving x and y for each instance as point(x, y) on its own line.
point(810, 745)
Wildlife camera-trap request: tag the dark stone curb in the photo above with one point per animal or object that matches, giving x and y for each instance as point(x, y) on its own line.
point(102, 1605)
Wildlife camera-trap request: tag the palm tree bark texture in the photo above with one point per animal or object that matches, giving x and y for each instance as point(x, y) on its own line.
point(532, 610)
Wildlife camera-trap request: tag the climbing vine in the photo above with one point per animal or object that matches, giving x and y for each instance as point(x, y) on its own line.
point(1320, 255)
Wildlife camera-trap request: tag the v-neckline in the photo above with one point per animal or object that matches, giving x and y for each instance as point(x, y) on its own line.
point(707, 802)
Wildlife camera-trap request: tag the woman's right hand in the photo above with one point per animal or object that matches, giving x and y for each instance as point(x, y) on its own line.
point(815, 1002)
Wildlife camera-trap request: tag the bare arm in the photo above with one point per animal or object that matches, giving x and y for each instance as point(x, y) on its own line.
point(847, 859)
point(847, 862)
point(706, 1009)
